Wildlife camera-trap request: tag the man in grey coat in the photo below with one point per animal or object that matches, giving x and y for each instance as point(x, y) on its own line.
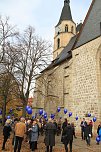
point(50, 130)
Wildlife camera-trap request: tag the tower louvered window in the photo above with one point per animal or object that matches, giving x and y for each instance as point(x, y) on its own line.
point(66, 28)
point(58, 43)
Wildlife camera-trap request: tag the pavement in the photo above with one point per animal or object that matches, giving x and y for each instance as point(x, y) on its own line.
point(78, 145)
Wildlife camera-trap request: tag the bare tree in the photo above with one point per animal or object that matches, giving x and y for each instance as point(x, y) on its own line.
point(7, 37)
point(34, 55)
point(7, 33)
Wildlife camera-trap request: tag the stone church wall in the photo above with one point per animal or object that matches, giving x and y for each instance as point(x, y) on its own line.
point(86, 94)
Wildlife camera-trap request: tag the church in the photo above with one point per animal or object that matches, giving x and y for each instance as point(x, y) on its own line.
point(73, 80)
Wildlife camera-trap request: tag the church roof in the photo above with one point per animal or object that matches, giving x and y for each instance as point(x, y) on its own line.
point(65, 54)
point(91, 28)
point(66, 12)
point(79, 26)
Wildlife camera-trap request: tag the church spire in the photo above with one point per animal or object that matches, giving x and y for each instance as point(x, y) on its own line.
point(66, 12)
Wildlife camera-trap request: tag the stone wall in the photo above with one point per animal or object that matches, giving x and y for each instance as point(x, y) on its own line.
point(86, 71)
point(75, 85)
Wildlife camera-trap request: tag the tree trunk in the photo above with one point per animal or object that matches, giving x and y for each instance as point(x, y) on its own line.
point(24, 109)
point(4, 111)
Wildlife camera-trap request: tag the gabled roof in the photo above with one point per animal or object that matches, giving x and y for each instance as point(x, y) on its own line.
point(66, 12)
point(91, 28)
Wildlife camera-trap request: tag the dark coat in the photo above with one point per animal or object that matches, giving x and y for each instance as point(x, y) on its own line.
point(6, 130)
point(68, 134)
point(83, 125)
point(87, 130)
point(50, 131)
point(64, 125)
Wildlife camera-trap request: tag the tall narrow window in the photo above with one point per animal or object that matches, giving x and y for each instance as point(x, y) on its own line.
point(58, 43)
point(72, 29)
point(66, 28)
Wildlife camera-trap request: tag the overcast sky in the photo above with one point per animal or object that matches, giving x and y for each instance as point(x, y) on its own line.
point(42, 14)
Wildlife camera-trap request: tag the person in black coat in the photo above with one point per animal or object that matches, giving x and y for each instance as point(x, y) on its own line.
point(68, 137)
point(6, 132)
point(65, 123)
point(83, 126)
point(50, 130)
point(88, 133)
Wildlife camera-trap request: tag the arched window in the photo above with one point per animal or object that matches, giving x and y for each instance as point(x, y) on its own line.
point(58, 43)
point(72, 29)
point(66, 28)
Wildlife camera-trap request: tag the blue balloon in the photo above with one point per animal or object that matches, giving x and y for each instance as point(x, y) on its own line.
point(0, 112)
point(58, 109)
point(94, 119)
point(45, 116)
point(98, 139)
point(65, 111)
point(41, 111)
point(29, 111)
point(10, 110)
point(70, 114)
point(52, 116)
point(76, 118)
point(8, 117)
point(27, 107)
point(89, 115)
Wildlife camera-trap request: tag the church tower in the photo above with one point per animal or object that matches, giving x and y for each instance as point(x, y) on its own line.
point(64, 30)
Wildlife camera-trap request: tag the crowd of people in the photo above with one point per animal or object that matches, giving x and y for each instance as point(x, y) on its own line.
point(31, 129)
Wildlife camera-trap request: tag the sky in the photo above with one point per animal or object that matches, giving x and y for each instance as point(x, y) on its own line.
point(43, 15)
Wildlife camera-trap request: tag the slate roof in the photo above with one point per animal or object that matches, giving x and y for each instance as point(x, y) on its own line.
point(65, 54)
point(91, 28)
point(66, 13)
point(78, 28)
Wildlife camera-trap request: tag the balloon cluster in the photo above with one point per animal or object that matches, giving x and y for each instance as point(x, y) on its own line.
point(29, 110)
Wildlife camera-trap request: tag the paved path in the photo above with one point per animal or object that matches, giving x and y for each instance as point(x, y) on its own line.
point(78, 145)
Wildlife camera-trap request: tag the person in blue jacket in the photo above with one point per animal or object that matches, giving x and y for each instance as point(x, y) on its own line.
point(33, 131)
point(99, 132)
